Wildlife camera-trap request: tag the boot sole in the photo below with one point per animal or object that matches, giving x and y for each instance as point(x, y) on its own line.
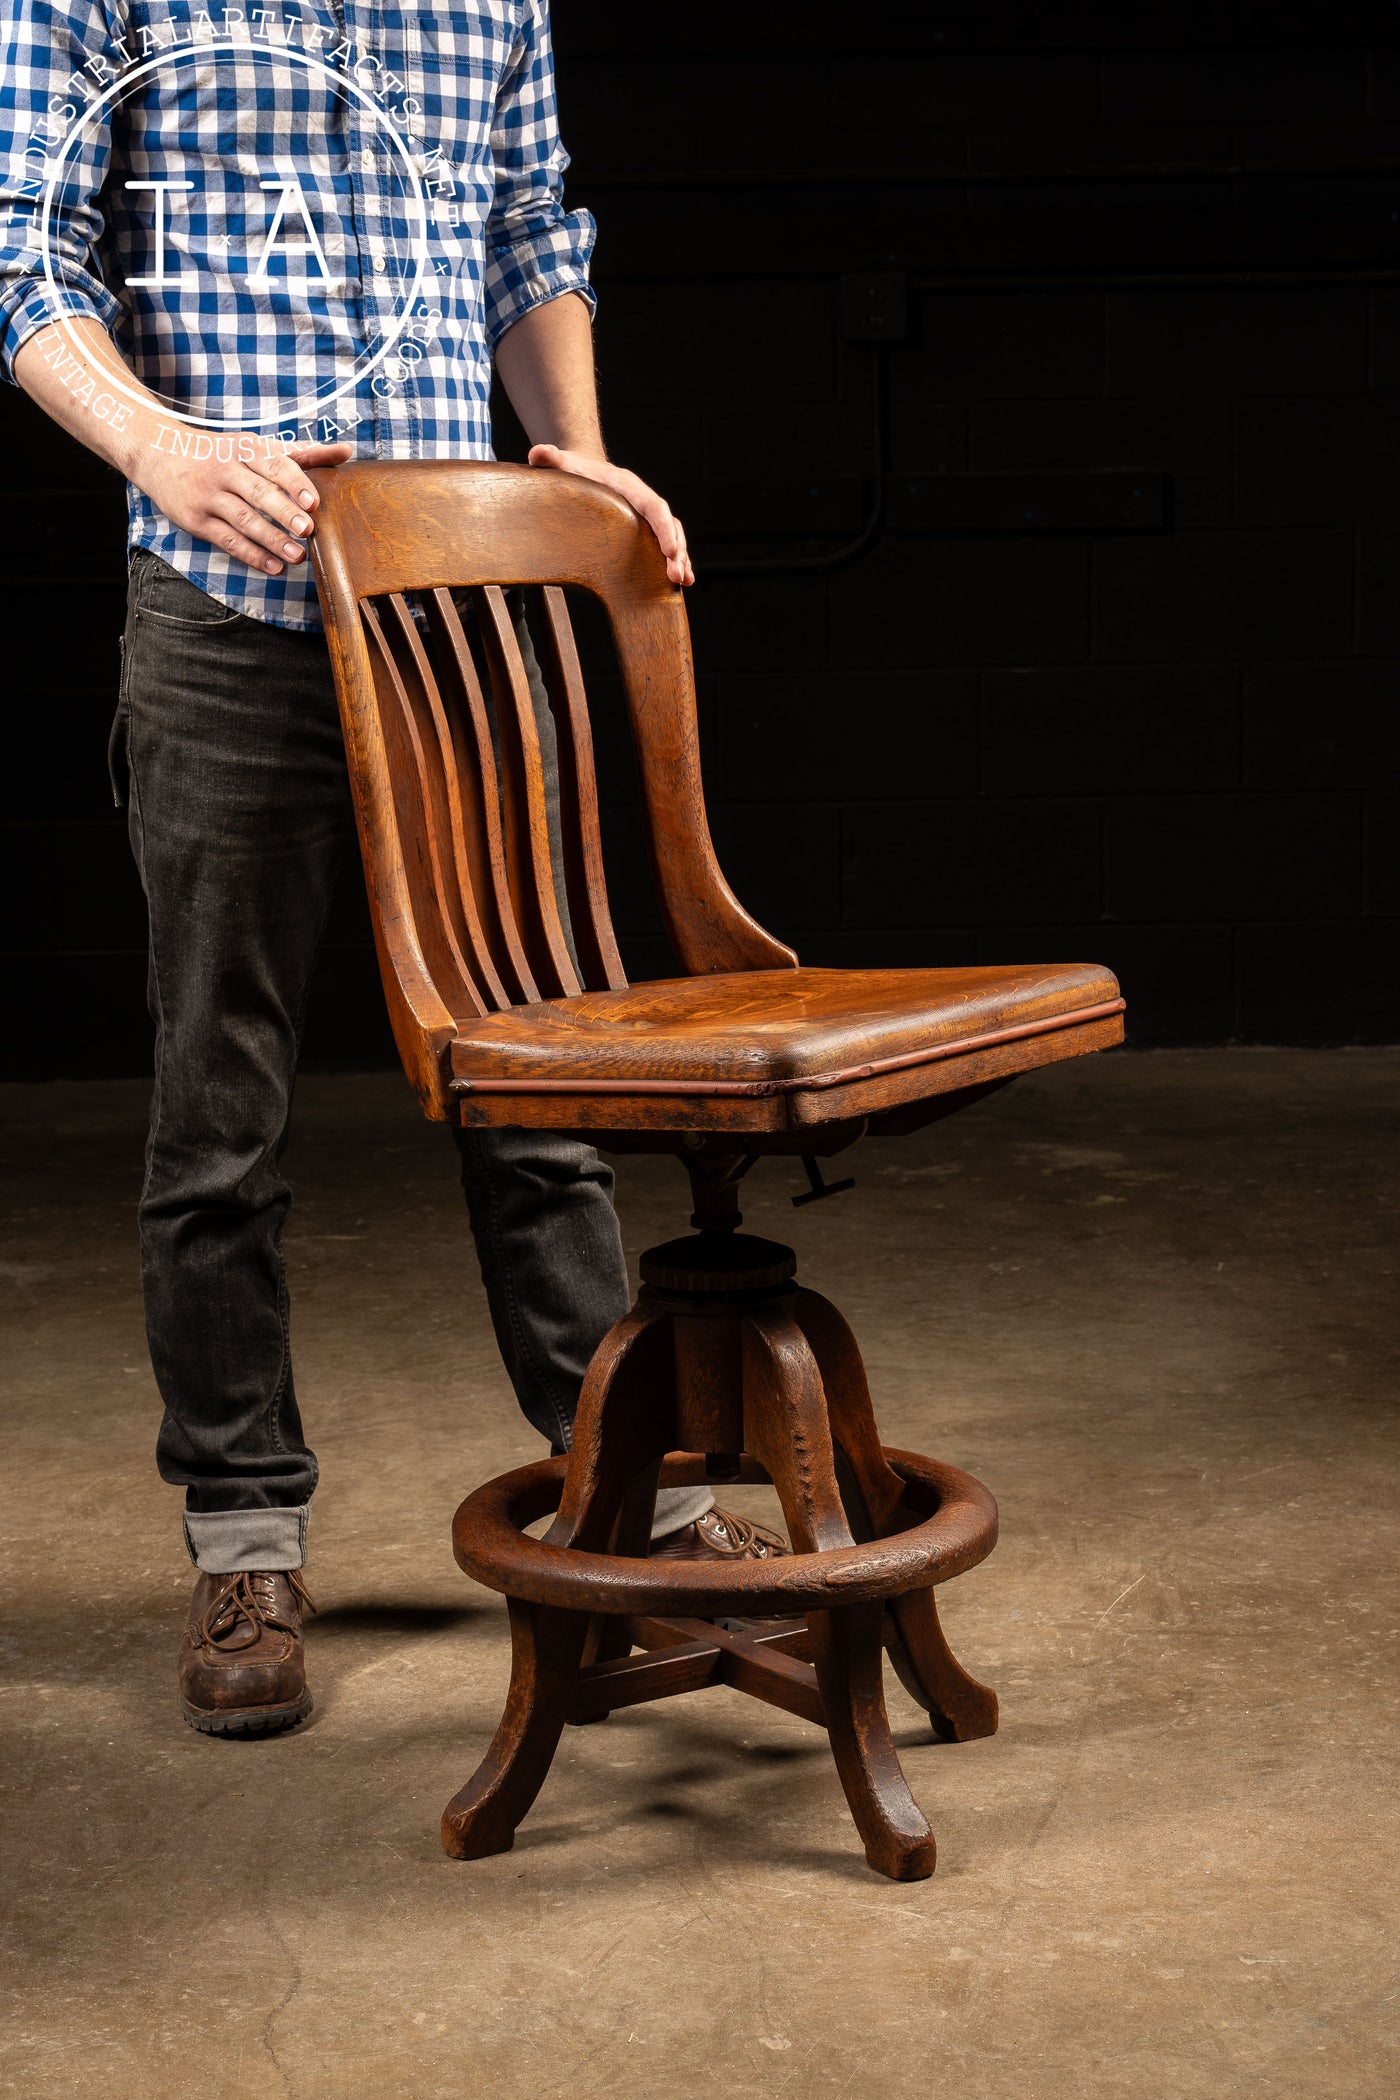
point(247, 1720)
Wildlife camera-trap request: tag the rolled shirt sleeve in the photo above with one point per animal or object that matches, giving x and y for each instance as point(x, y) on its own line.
point(534, 248)
point(53, 61)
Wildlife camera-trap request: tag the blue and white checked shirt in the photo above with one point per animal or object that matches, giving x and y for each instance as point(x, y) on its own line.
point(306, 235)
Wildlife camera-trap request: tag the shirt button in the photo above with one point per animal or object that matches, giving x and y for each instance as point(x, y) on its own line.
point(367, 161)
point(380, 263)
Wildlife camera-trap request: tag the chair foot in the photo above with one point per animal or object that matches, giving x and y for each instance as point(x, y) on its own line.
point(546, 1651)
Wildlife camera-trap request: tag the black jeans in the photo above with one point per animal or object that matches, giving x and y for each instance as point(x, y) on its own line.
point(240, 820)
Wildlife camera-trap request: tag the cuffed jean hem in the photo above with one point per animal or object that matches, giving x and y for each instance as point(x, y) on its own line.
point(677, 1507)
point(230, 1541)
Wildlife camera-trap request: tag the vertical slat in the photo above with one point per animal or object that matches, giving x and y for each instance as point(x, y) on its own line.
point(522, 778)
point(421, 822)
point(384, 524)
point(585, 880)
point(492, 880)
point(463, 910)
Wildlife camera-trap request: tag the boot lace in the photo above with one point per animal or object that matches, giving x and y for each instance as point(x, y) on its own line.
point(251, 1599)
point(738, 1538)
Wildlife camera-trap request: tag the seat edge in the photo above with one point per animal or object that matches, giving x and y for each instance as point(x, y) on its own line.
point(799, 1083)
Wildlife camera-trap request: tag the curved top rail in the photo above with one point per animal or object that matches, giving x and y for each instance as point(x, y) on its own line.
point(433, 523)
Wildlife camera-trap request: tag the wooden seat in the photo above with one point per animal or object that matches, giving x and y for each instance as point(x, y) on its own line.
point(782, 1048)
point(510, 1006)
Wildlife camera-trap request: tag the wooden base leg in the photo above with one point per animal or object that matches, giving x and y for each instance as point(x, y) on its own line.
point(546, 1649)
point(849, 1658)
point(625, 1422)
point(611, 1637)
point(959, 1708)
point(786, 1429)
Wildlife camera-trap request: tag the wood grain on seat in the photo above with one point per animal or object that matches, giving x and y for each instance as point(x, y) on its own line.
point(773, 1030)
point(766, 1032)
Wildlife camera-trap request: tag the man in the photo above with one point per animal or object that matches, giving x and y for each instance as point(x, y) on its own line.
point(241, 243)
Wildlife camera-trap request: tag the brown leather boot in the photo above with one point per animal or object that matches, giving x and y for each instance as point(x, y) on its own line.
point(242, 1666)
point(720, 1535)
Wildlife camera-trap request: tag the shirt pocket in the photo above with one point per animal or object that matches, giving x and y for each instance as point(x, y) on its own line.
point(454, 63)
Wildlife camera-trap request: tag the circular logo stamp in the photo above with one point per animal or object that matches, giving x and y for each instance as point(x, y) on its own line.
point(288, 227)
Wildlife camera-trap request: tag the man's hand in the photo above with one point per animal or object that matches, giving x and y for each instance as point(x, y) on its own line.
point(258, 510)
point(645, 501)
point(545, 360)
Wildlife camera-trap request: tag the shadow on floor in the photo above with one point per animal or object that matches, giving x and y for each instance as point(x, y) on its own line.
point(340, 1619)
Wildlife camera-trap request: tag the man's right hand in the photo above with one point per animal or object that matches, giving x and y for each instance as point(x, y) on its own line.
point(258, 510)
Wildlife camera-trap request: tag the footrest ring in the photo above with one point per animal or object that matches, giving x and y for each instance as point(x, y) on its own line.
point(958, 1529)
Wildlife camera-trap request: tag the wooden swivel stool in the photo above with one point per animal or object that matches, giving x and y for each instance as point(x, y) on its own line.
point(506, 1015)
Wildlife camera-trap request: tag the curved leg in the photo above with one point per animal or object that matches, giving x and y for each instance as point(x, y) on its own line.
point(626, 1418)
point(611, 1635)
point(849, 1658)
point(546, 1648)
point(786, 1429)
point(959, 1708)
point(624, 1421)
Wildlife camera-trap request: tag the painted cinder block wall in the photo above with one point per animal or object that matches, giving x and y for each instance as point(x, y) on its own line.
point(1116, 677)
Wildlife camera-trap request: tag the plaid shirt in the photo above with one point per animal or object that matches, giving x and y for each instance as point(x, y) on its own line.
point(373, 197)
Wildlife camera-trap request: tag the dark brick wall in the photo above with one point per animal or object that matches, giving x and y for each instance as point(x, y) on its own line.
point(1116, 675)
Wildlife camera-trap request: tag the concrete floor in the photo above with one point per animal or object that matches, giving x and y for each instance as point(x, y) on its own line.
point(1149, 1299)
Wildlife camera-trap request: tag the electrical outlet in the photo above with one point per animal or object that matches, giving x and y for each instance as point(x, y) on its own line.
point(875, 307)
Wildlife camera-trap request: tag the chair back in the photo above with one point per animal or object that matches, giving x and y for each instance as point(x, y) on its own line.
point(450, 792)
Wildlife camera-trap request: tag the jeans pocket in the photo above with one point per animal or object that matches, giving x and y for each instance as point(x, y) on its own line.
point(162, 594)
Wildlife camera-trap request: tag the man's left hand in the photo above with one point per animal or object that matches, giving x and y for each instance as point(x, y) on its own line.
point(670, 534)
